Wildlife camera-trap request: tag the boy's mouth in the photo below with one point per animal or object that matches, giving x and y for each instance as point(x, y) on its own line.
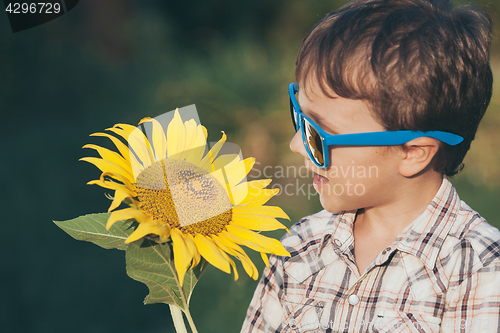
point(319, 180)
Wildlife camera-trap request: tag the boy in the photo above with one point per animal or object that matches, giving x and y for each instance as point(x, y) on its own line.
point(397, 87)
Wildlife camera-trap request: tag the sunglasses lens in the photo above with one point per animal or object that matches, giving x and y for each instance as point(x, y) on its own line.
point(294, 115)
point(314, 142)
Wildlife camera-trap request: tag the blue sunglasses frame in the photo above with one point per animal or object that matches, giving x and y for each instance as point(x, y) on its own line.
point(385, 138)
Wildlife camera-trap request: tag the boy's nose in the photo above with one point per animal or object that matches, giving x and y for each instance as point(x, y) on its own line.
point(297, 144)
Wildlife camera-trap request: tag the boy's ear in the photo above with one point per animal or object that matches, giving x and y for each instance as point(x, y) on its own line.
point(417, 155)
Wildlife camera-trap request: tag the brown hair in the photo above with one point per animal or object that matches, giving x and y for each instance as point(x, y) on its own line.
point(421, 65)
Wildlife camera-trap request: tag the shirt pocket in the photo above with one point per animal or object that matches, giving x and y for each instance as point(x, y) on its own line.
point(423, 282)
point(396, 322)
point(304, 316)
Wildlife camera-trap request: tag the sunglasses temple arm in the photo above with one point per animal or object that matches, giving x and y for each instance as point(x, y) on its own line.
point(390, 138)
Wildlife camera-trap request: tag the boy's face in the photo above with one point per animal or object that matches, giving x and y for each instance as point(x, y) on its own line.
point(358, 176)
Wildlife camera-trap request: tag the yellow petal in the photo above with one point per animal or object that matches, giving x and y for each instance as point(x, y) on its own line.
point(235, 250)
point(108, 166)
point(137, 167)
point(229, 243)
point(124, 151)
point(118, 198)
point(182, 254)
point(144, 120)
point(231, 262)
point(233, 171)
point(128, 213)
point(196, 147)
point(211, 253)
point(129, 128)
point(265, 259)
point(273, 211)
point(258, 184)
point(234, 238)
point(192, 248)
point(137, 141)
point(225, 160)
point(191, 134)
point(236, 172)
point(257, 222)
point(205, 132)
point(126, 182)
point(239, 193)
point(176, 136)
point(224, 249)
point(141, 146)
point(256, 241)
point(255, 192)
point(109, 155)
point(207, 161)
point(219, 176)
point(254, 187)
point(144, 229)
point(260, 199)
point(112, 185)
point(249, 267)
point(159, 140)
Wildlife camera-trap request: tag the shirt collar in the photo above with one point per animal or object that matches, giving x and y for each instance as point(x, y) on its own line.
point(339, 231)
point(422, 238)
point(425, 235)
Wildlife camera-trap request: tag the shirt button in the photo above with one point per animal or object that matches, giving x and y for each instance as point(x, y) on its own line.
point(387, 249)
point(337, 242)
point(353, 299)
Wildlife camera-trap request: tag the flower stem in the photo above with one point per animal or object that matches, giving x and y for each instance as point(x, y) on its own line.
point(178, 319)
point(176, 313)
point(190, 321)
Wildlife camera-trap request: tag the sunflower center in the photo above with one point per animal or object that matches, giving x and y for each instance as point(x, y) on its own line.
point(184, 196)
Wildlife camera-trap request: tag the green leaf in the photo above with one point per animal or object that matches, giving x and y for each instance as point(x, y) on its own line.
point(153, 264)
point(92, 228)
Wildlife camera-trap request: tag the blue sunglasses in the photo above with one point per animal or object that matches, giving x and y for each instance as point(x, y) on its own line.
point(317, 141)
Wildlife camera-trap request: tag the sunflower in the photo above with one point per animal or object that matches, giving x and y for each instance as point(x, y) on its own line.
point(179, 192)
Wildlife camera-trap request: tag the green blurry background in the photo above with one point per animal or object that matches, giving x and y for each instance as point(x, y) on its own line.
point(118, 61)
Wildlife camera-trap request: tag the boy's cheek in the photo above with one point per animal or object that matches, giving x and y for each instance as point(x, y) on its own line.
point(362, 190)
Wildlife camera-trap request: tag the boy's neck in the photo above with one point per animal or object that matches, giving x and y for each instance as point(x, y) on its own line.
point(410, 200)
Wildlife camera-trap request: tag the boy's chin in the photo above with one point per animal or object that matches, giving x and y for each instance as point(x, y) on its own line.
point(335, 205)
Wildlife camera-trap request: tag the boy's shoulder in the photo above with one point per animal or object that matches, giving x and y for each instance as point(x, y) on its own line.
point(309, 230)
point(304, 244)
point(472, 234)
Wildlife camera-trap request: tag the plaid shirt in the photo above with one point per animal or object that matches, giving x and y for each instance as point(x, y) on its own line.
point(441, 274)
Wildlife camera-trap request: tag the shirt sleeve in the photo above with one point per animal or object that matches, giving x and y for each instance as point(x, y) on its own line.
point(265, 313)
point(474, 304)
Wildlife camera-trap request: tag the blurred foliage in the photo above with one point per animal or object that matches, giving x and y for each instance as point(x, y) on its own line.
point(118, 61)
